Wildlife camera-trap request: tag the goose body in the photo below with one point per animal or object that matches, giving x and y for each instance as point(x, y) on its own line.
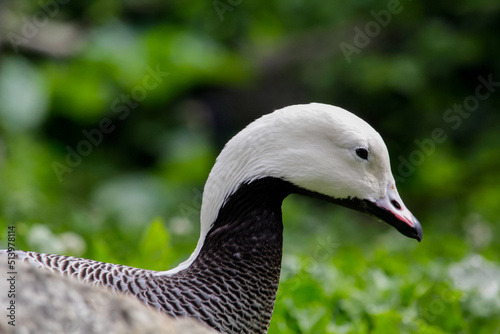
point(231, 279)
point(49, 303)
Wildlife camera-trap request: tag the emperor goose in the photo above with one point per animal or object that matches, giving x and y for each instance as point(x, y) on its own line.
point(230, 280)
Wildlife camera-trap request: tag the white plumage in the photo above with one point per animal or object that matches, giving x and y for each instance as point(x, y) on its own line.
point(312, 146)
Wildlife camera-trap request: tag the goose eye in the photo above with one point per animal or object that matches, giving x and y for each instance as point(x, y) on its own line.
point(362, 153)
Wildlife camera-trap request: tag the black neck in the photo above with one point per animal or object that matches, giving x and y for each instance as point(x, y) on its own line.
point(240, 261)
point(254, 209)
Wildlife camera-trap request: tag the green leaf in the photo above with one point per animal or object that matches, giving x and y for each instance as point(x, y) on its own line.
point(153, 251)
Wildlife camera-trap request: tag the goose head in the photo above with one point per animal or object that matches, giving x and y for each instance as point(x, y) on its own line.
point(324, 151)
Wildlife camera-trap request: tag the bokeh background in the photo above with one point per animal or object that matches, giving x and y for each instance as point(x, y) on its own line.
point(112, 113)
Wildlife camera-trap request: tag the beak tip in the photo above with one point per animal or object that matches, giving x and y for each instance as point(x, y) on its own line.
point(418, 229)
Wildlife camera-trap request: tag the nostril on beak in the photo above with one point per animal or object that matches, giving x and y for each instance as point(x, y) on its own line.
point(396, 204)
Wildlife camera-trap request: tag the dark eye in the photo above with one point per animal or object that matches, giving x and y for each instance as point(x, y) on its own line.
point(362, 153)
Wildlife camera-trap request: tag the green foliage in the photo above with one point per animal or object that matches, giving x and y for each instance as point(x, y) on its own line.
point(153, 250)
point(157, 87)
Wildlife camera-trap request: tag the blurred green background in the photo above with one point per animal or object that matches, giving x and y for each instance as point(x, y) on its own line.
point(112, 113)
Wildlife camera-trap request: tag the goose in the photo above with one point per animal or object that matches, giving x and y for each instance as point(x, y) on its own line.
point(231, 279)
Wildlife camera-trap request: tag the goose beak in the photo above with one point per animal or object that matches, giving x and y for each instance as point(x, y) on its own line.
point(392, 211)
point(389, 209)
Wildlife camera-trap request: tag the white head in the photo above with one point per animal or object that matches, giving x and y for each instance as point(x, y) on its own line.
point(320, 148)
